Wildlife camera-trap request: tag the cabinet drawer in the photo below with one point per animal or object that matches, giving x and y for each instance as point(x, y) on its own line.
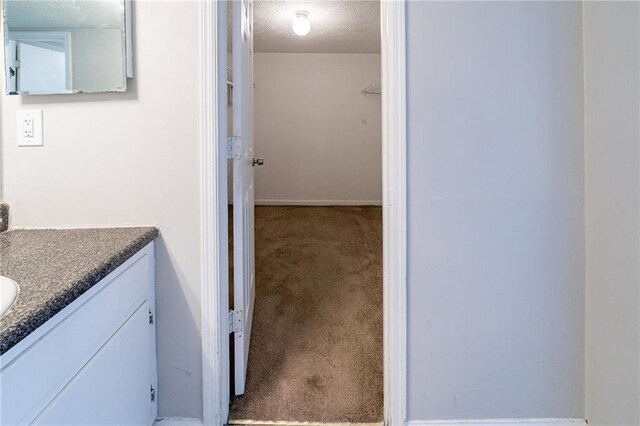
point(41, 371)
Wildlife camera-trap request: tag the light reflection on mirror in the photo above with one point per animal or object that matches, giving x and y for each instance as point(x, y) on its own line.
point(64, 46)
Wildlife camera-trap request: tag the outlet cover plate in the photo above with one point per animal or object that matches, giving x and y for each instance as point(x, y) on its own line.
point(29, 127)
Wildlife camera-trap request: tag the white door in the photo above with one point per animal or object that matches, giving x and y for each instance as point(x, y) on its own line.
point(243, 230)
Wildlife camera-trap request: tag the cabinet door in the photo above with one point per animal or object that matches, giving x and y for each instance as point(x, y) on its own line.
point(113, 388)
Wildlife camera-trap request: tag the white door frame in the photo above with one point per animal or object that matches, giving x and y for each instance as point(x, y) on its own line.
point(213, 197)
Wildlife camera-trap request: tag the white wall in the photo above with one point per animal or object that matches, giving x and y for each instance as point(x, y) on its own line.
point(319, 136)
point(495, 214)
point(612, 169)
point(130, 159)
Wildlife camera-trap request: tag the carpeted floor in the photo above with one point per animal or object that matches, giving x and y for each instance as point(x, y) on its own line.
point(316, 343)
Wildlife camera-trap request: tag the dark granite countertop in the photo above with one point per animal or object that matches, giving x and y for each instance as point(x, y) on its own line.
point(53, 267)
point(4, 216)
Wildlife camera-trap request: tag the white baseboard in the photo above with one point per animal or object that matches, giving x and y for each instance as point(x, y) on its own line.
point(318, 202)
point(292, 423)
point(500, 422)
point(177, 421)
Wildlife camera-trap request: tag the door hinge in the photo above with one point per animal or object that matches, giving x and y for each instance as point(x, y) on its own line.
point(152, 393)
point(234, 144)
point(150, 317)
point(235, 321)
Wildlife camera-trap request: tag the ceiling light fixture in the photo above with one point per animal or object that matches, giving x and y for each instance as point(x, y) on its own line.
point(301, 24)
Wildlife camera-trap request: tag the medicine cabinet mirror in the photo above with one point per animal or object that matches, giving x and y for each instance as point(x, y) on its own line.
point(67, 46)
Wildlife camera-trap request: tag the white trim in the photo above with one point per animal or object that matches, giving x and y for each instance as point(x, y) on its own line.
point(177, 421)
point(214, 250)
point(500, 422)
point(294, 423)
point(318, 203)
point(394, 189)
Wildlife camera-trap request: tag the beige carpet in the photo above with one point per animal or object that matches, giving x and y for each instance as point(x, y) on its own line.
point(316, 343)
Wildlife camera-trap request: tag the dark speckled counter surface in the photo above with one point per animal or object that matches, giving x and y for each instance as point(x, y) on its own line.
point(4, 216)
point(53, 267)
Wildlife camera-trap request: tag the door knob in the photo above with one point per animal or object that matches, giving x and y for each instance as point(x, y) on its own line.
point(258, 161)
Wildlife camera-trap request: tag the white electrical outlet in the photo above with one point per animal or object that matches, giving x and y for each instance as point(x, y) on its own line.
point(29, 127)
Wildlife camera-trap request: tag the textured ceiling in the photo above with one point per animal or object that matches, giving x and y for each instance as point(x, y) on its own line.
point(68, 14)
point(346, 26)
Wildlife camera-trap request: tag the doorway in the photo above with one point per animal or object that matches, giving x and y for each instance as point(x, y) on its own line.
point(216, 324)
point(310, 307)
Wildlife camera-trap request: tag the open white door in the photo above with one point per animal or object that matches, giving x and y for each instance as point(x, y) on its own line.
point(243, 229)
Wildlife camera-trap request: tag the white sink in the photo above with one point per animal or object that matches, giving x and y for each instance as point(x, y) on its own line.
point(8, 293)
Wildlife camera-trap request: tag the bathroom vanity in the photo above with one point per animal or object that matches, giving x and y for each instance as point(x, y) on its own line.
point(77, 346)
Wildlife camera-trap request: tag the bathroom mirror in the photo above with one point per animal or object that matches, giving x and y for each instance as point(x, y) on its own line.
point(66, 46)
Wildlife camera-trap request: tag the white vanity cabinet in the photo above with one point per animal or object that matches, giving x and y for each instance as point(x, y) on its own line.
point(92, 363)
